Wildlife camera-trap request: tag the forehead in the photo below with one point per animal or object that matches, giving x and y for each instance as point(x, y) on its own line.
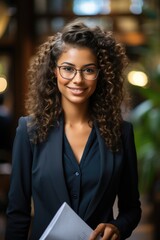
point(77, 55)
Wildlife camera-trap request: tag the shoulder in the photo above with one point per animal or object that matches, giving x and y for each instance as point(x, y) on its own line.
point(126, 126)
point(21, 140)
point(127, 131)
point(23, 122)
point(22, 128)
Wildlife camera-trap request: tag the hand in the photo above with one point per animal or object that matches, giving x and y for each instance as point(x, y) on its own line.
point(107, 231)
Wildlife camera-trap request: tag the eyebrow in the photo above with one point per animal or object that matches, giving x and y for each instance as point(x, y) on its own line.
point(86, 65)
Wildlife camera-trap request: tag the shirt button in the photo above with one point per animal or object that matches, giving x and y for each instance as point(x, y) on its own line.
point(74, 196)
point(77, 174)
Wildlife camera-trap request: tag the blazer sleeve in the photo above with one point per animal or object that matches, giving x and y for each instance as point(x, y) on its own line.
point(128, 196)
point(19, 197)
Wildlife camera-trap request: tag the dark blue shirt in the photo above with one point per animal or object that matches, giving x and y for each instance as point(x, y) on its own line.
point(82, 178)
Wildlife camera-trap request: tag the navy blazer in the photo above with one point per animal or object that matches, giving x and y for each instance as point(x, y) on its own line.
point(38, 172)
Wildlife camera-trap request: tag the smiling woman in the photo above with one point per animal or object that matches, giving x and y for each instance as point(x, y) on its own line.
point(72, 74)
point(74, 145)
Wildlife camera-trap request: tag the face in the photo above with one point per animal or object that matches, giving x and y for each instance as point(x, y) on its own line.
point(77, 90)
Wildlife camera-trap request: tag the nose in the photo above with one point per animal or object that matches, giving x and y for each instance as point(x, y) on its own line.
point(78, 78)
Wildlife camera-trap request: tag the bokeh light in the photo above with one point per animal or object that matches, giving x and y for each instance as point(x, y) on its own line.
point(3, 84)
point(138, 78)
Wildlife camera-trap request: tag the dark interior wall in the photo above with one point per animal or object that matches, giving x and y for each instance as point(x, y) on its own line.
point(23, 51)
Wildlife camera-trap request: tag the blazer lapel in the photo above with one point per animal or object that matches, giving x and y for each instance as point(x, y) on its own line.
point(54, 152)
point(106, 170)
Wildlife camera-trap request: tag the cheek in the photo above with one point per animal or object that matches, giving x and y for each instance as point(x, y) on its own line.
point(93, 86)
point(61, 83)
point(55, 72)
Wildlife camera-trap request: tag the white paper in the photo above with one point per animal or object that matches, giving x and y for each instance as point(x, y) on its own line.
point(66, 225)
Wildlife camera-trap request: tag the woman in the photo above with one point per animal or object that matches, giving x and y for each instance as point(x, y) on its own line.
point(74, 146)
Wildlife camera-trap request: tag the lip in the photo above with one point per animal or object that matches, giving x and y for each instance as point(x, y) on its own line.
point(77, 91)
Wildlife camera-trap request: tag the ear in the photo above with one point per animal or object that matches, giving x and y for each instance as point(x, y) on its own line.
point(55, 72)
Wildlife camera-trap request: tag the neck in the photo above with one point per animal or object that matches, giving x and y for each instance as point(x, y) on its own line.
point(76, 114)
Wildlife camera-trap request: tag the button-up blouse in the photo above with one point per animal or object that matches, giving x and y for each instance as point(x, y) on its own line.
point(82, 178)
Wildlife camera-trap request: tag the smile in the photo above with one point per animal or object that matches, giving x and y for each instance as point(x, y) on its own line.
point(77, 90)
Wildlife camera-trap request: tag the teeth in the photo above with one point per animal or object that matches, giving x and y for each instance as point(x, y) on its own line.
point(76, 90)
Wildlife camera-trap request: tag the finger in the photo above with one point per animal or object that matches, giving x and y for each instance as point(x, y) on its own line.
point(113, 229)
point(115, 237)
point(98, 231)
point(110, 232)
point(107, 234)
point(94, 235)
point(110, 237)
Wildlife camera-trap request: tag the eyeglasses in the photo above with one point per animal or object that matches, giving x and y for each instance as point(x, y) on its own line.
point(69, 72)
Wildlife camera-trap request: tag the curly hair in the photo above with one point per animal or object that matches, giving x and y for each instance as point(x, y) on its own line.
point(44, 100)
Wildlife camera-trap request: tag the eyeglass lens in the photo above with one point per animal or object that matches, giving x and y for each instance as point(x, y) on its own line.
point(88, 73)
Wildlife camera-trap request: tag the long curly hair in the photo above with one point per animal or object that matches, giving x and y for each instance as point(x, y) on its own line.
point(44, 100)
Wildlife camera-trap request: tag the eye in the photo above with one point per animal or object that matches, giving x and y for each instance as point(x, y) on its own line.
point(67, 69)
point(89, 70)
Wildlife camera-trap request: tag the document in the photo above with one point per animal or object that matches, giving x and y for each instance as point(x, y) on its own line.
point(67, 225)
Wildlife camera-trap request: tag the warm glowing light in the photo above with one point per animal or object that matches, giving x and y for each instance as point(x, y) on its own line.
point(3, 84)
point(138, 78)
point(4, 18)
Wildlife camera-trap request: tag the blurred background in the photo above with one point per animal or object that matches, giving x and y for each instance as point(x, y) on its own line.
point(26, 24)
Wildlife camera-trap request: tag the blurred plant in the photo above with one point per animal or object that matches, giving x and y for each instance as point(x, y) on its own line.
point(146, 121)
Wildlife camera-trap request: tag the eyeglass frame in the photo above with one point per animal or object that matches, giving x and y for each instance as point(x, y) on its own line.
point(77, 70)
